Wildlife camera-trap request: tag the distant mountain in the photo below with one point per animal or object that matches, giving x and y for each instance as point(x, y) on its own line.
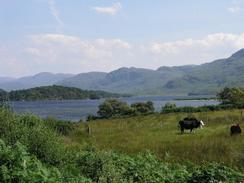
point(88, 80)
point(41, 79)
point(54, 93)
point(192, 79)
point(6, 79)
point(210, 77)
point(178, 80)
point(126, 80)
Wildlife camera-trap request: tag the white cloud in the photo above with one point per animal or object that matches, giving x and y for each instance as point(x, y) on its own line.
point(55, 13)
point(65, 53)
point(211, 41)
point(234, 9)
point(196, 51)
point(111, 10)
point(98, 48)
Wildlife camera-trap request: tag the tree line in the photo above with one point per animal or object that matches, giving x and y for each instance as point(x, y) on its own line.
point(115, 108)
point(54, 93)
point(229, 98)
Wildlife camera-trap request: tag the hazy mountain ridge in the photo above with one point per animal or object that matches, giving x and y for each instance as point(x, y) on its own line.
point(41, 79)
point(207, 78)
point(203, 79)
point(210, 77)
point(84, 80)
point(6, 79)
point(125, 80)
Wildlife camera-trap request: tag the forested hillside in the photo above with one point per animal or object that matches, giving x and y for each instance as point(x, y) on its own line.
point(54, 93)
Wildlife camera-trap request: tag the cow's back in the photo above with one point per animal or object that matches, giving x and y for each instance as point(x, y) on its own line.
point(188, 124)
point(235, 129)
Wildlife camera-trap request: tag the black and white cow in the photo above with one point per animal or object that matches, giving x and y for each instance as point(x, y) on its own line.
point(235, 129)
point(190, 124)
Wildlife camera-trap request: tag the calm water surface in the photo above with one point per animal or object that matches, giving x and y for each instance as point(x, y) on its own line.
point(79, 109)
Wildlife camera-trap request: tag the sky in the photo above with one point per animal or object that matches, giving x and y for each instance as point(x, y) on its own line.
point(77, 36)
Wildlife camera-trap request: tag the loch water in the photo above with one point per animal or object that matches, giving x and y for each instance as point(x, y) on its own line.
point(75, 110)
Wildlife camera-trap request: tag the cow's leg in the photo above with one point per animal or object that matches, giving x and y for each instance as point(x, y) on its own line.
point(182, 130)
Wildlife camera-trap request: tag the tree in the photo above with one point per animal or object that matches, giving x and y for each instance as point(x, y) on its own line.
point(143, 107)
point(113, 107)
point(231, 95)
point(3, 95)
point(168, 107)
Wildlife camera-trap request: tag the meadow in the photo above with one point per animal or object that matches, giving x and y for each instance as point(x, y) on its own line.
point(136, 149)
point(159, 133)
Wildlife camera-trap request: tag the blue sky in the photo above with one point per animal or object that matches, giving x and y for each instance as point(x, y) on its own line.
point(101, 35)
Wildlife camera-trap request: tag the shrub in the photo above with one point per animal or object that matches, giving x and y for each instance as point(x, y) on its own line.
point(143, 107)
point(168, 107)
point(16, 165)
point(231, 95)
point(99, 166)
point(60, 126)
point(213, 172)
point(113, 107)
point(31, 131)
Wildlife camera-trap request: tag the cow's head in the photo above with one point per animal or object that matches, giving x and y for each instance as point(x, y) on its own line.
point(201, 124)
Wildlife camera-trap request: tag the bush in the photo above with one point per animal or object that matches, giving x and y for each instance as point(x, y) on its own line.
point(91, 117)
point(143, 107)
point(61, 127)
point(112, 167)
point(31, 131)
point(99, 167)
point(113, 107)
point(16, 165)
point(231, 95)
point(168, 107)
point(213, 172)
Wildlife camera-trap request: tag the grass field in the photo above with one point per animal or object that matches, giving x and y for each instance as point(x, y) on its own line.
point(160, 134)
point(50, 150)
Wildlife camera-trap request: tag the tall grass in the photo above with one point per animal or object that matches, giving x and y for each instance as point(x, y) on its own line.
point(37, 150)
point(159, 133)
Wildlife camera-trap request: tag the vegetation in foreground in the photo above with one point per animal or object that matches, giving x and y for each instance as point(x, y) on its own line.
point(36, 150)
point(142, 148)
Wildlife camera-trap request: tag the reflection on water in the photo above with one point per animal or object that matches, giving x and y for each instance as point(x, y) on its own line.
point(76, 109)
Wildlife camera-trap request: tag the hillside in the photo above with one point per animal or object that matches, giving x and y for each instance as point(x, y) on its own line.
point(41, 79)
point(127, 80)
point(84, 80)
point(6, 79)
point(181, 80)
point(178, 80)
point(210, 77)
point(56, 93)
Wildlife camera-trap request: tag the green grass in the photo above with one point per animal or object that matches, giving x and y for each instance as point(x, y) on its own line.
point(160, 134)
point(37, 150)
